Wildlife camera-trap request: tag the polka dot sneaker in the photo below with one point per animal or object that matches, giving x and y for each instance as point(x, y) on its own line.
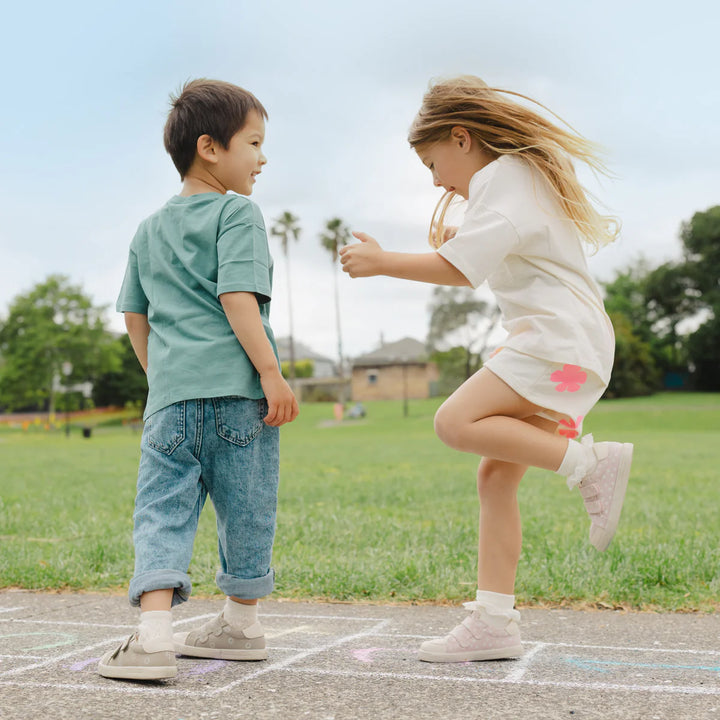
point(217, 639)
point(603, 490)
point(480, 636)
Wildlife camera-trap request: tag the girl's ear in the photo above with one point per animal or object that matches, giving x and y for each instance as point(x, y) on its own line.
point(206, 149)
point(461, 137)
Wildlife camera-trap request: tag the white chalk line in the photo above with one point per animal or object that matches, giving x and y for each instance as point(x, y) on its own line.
point(515, 677)
point(103, 687)
point(654, 649)
point(68, 623)
point(284, 664)
point(326, 617)
point(59, 658)
point(523, 664)
point(672, 651)
point(280, 665)
point(115, 626)
point(690, 690)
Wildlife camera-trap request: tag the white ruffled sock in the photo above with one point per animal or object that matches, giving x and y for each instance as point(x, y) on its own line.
point(496, 608)
point(578, 462)
point(155, 632)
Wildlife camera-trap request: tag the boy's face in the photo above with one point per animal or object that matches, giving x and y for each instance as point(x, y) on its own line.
point(238, 165)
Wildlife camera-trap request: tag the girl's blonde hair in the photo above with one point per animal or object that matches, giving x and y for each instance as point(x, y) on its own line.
point(504, 127)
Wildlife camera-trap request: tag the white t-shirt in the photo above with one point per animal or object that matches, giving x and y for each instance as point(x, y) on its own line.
point(516, 236)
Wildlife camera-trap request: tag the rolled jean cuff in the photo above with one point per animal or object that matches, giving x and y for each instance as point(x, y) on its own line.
point(244, 588)
point(160, 580)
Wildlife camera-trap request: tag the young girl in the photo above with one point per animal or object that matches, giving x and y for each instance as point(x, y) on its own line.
point(526, 220)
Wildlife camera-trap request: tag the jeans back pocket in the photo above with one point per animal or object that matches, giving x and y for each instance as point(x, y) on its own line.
point(239, 420)
point(165, 429)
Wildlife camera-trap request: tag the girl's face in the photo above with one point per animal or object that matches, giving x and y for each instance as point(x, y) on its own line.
point(453, 162)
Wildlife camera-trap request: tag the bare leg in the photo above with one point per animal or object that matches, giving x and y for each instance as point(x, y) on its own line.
point(485, 416)
point(156, 600)
point(500, 530)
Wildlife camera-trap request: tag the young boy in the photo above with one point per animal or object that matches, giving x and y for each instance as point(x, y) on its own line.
point(196, 298)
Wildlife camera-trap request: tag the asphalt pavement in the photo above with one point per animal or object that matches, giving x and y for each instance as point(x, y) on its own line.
point(359, 662)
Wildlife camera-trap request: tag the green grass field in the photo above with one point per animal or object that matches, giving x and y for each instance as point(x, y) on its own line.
point(379, 510)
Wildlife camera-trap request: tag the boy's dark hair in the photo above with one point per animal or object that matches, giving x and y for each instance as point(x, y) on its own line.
point(205, 107)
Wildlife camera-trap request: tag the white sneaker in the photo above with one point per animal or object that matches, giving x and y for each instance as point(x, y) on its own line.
point(603, 490)
point(480, 636)
point(132, 661)
point(217, 639)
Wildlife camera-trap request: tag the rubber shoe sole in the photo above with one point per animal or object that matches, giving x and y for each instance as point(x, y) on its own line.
point(137, 673)
point(221, 653)
point(508, 653)
point(601, 537)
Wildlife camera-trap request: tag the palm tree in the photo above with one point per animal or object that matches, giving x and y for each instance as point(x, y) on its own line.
point(335, 236)
point(286, 227)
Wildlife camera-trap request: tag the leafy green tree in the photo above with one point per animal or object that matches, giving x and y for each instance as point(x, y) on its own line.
point(287, 228)
point(53, 326)
point(701, 273)
point(127, 383)
point(657, 301)
point(634, 370)
point(625, 294)
point(456, 313)
point(704, 352)
point(335, 236)
point(452, 368)
point(654, 301)
point(303, 369)
point(701, 244)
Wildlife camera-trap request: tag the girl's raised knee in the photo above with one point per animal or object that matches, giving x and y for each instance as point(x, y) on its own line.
point(446, 427)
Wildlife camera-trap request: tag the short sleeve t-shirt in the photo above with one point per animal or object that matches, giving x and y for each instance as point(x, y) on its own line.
point(181, 260)
point(516, 236)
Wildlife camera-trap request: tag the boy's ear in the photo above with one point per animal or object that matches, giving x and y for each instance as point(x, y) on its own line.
point(206, 149)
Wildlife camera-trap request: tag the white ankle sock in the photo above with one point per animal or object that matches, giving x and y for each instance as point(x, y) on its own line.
point(578, 462)
point(155, 631)
point(239, 615)
point(496, 606)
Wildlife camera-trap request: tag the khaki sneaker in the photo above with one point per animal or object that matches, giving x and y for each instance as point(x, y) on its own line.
point(603, 490)
point(130, 661)
point(479, 637)
point(217, 639)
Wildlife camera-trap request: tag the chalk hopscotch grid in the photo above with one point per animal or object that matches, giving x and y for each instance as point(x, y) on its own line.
point(516, 676)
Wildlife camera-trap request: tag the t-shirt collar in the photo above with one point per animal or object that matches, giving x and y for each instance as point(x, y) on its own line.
point(482, 176)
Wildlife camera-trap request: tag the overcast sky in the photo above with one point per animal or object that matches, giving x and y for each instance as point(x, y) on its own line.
point(85, 95)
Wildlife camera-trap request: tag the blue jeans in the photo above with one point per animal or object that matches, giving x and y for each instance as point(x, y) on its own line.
point(218, 447)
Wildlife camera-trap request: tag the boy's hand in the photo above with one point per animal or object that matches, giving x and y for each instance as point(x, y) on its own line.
point(282, 403)
point(363, 259)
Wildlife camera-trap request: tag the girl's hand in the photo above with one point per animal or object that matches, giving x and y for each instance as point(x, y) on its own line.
point(362, 259)
point(449, 233)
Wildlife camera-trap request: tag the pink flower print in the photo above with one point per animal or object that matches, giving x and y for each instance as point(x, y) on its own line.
point(570, 428)
point(570, 378)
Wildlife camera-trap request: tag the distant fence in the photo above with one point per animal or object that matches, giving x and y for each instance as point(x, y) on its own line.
point(91, 416)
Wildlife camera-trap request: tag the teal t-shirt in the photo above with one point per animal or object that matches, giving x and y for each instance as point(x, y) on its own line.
point(181, 259)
